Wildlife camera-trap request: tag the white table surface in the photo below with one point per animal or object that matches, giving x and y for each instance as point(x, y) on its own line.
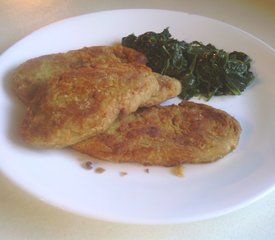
point(24, 217)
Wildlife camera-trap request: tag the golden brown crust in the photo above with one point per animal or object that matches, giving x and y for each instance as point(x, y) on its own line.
point(168, 88)
point(83, 102)
point(34, 72)
point(167, 136)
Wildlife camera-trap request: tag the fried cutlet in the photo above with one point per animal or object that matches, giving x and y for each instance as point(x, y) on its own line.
point(32, 73)
point(83, 102)
point(166, 136)
point(169, 88)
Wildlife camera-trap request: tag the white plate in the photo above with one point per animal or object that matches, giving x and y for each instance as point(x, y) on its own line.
point(205, 191)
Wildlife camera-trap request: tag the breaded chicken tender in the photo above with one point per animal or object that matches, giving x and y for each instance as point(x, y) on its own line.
point(83, 102)
point(166, 136)
point(169, 88)
point(34, 72)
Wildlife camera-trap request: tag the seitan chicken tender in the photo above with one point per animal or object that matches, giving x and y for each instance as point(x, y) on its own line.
point(166, 136)
point(83, 102)
point(34, 72)
point(168, 88)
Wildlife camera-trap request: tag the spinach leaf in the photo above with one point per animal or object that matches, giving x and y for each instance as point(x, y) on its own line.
point(203, 70)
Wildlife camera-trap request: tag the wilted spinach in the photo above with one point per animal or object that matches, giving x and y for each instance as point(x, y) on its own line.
point(203, 70)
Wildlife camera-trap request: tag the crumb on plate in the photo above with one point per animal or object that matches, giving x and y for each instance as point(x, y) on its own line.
point(88, 165)
point(122, 173)
point(178, 171)
point(99, 170)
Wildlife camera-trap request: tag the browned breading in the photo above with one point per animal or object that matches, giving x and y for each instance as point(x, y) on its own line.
point(83, 102)
point(31, 74)
point(166, 136)
point(169, 88)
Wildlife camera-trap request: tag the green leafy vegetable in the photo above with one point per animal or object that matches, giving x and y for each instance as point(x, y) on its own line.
point(203, 70)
